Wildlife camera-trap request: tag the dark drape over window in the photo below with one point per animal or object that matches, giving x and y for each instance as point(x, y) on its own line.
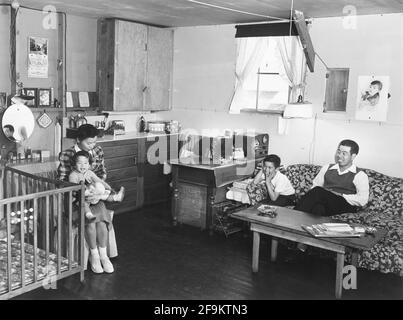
point(279, 29)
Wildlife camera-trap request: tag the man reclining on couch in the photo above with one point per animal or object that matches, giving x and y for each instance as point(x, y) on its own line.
point(338, 188)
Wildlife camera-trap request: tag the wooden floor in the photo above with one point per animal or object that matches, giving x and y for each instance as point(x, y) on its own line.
point(158, 261)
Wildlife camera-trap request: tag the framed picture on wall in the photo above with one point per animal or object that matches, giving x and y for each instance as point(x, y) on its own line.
point(31, 92)
point(44, 98)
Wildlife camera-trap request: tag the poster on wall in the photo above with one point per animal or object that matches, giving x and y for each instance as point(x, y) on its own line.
point(372, 98)
point(38, 63)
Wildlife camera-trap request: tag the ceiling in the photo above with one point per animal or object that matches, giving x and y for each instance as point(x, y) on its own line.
point(179, 13)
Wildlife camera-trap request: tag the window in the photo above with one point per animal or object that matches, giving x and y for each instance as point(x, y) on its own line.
point(270, 73)
point(272, 86)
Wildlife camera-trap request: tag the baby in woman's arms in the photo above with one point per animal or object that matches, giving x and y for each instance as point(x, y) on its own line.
point(96, 188)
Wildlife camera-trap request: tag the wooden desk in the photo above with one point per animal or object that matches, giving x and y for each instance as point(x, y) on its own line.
point(197, 187)
point(287, 225)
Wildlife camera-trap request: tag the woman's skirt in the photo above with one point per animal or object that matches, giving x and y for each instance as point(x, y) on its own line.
point(101, 213)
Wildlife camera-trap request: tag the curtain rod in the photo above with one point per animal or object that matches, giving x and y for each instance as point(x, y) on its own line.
point(307, 21)
point(265, 22)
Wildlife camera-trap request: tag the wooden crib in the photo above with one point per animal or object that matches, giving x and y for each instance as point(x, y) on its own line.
point(42, 232)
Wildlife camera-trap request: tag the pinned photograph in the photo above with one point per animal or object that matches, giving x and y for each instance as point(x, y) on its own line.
point(372, 98)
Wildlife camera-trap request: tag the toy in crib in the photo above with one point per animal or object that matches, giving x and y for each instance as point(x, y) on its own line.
point(15, 220)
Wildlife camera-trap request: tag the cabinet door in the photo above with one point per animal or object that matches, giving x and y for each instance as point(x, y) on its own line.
point(159, 68)
point(130, 65)
point(105, 63)
point(336, 89)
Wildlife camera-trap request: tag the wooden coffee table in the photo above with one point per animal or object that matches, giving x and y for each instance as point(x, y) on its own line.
point(287, 225)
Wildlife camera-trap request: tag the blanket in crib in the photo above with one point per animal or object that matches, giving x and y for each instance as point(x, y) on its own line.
point(45, 270)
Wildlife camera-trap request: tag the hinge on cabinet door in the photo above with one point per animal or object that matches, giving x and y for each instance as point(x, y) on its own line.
point(327, 75)
point(145, 47)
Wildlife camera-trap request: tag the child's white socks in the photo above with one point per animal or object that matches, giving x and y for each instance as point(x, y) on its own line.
point(120, 195)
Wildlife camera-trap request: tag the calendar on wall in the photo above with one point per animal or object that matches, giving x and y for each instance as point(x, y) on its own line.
point(38, 64)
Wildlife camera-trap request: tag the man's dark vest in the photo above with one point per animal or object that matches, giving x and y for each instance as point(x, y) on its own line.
point(340, 183)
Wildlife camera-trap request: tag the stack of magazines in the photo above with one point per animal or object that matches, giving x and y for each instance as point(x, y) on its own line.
point(334, 230)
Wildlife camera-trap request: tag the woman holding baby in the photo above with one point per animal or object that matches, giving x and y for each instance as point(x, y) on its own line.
point(84, 162)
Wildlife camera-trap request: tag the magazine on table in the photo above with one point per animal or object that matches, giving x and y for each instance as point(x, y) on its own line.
point(334, 230)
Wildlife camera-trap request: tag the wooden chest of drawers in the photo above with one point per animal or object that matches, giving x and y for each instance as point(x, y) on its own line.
point(127, 165)
point(123, 170)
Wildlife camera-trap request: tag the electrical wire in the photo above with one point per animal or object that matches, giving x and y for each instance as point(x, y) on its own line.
point(235, 10)
point(311, 154)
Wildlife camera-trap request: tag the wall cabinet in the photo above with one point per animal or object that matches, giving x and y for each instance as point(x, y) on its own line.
point(134, 66)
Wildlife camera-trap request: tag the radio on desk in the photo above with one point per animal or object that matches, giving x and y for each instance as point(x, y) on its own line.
point(253, 145)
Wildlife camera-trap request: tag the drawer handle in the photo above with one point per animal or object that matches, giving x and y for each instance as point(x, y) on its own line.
point(135, 160)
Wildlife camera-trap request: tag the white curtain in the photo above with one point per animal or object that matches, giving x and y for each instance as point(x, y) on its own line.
point(294, 64)
point(250, 54)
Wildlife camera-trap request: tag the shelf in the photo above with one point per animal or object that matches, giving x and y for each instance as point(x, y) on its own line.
point(48, 110)
point(279, 112)
point(87, 111)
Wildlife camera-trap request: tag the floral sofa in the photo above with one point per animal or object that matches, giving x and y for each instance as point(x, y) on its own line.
point(384, 210)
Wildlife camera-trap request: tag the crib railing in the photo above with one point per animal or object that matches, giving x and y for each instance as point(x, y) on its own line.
point(39, 216)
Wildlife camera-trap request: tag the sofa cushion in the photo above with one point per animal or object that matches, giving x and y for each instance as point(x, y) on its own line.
point(301, 177)
point(386, 256)
point(385, 193)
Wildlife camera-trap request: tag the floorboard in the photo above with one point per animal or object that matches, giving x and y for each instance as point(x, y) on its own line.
point(159, 261)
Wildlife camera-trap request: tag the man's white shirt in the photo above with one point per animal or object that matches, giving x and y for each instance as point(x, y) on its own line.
point(360, 181)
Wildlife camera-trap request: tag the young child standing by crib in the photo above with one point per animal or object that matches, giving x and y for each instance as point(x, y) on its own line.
point(96, 188)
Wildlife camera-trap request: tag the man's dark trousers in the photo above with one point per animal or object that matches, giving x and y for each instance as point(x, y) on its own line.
point(322, 202)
